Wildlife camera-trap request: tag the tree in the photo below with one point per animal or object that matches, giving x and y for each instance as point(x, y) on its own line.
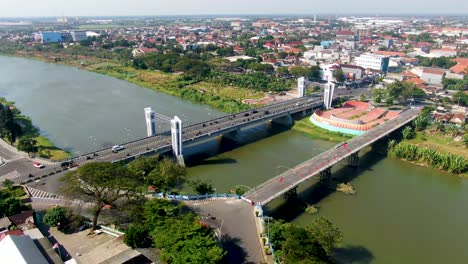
point(185, 240)
point(10, 125)
point(300, 246)
point(101, 183)
point(465, 140)
point(8, 183)
point(339, 75)
point(363, 97)
point(55, 216)
point(326, 233)
point(282, 70)
point(166, 175)
point(378, 95)
point(27, 144)
point(202, 187)
point(137, 236)
point(408, 132)
point(143, 165)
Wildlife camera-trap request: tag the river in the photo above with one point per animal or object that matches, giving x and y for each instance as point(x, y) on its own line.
point(402, 213)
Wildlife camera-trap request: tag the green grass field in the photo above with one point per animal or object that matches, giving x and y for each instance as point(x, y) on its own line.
point(48, 150)
point(305, 126)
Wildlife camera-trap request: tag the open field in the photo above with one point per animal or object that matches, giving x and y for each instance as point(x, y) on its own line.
point(440, 142)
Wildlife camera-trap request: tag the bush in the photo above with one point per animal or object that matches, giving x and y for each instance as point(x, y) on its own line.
point(137, 236)
point(55, 216)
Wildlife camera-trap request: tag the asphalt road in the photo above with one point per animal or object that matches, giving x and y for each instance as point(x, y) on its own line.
point(236, 221)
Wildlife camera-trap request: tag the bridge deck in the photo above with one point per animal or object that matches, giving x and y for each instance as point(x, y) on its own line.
point(282, 183)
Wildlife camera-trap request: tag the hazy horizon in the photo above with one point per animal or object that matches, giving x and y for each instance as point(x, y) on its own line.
point(106, 8)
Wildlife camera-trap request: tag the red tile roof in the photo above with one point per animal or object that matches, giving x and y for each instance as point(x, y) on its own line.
point(433, 71)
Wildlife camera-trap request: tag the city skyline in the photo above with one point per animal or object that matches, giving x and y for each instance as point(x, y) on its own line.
point(57, 8)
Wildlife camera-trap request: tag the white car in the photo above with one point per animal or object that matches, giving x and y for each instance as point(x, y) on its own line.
point(117, 148)
point(38, 165)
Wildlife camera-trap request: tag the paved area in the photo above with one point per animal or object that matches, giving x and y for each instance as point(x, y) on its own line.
point(235, 221)
point(76, 243)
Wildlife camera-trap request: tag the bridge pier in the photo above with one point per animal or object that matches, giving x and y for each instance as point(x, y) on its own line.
point(284, 120)
point(353, 160)
point(325, 175)
point(291, 194)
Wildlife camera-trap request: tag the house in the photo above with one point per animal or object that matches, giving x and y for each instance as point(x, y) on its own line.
point(142, 51)
point(352, 72)
point(23, 220)
point(345, 35)
point(442, 117)
point(269, 45)
point(436, 53)
point(458, 118)
point(432, 75)
point(19, 250)
point(461, 67)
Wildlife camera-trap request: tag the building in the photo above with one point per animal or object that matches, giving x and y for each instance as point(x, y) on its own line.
point(20, 249)
point(373, 62)
point(78, 36)
point(433, 76)
point(23, 220)
point(352, 72)
point(51, 37)
point(345, 35)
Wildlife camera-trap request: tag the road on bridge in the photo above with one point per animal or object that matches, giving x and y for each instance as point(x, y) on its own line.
point(284, 182)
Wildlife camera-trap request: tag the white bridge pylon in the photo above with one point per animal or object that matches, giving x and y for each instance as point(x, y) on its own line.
point(153, 119)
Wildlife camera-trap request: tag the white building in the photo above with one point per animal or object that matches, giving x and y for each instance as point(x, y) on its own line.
point(373, 61)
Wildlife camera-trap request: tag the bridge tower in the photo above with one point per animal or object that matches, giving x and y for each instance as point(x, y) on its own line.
point(301, 88)
point(150, 117)
point(176, 132)
point(353, 160)
point(328, 95)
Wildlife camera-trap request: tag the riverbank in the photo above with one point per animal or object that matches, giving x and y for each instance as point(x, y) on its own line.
point(306, 127)
point(25, 131)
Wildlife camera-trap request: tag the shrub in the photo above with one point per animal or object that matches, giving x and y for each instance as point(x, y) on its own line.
point(55, 216)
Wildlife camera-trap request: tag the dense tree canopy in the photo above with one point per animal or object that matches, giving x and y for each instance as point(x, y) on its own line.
point(313, 244)
point(178, 234)
point(101, 183)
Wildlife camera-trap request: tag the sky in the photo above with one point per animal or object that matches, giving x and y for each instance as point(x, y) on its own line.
point(54, 8)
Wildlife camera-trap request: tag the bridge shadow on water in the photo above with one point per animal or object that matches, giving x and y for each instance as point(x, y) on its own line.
point(205, 153)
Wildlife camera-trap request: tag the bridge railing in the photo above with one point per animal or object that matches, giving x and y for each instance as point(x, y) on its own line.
point(188, 197)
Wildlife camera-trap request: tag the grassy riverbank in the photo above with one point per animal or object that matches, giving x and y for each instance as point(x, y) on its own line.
point(305, 126)
point(25, 131)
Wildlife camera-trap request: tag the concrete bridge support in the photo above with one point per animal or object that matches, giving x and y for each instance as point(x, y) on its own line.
point(353, 160)
point(325, 175)
point(291, 194)
point(285, 120)
point(176, 133)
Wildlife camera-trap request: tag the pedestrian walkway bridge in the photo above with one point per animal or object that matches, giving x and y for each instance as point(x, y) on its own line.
point(321, 164)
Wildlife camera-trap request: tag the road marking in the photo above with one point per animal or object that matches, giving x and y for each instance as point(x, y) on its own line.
point(9, 176)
